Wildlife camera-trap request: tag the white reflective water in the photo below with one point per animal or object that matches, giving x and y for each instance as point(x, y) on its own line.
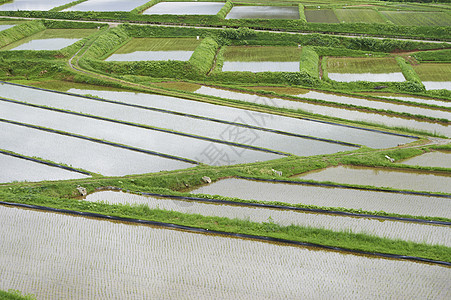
point(151, 55)
point(404, 204)
point(46, 44)
point(415, 232)
point(431, 159)
point(260, 66)
point(437, 85)
point(32, 4)
point(107, 5)
point(17, 169)
point(4, 27)
point(184, 8)
point(59, 256)
point(437, 102)
point(372, 77)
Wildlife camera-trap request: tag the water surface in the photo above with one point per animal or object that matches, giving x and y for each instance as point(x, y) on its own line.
point(4, 27)
point(60, 256)
point(431, 234)
point(17, 169)
point(431, 159)
point(414, 205)
point(263, 12)
point(372, 77)
point(437, 85)
point(398, 179)
point(46, 44)
point(32, 4)
point(107, 5)
point(184, 8)
point(419, 100)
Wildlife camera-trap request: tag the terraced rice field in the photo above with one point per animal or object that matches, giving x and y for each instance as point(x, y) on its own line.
point(410, 18)
point(342, 113)
point(398, 179)
point(5, 26)
point(106, 5)
point(261, 59)
point(264, 120)
point(433, 72)
point(87, 258)
point(320, 16)
point(50, 39)
point(367, 69)
point(156, 49)
point(263, 12)
point(356, 15)
point(414, 205)
point(17, 169)
point(430, 234)
point(184, 8)
point(431, 159)
point(417, 99)
point(32, 5)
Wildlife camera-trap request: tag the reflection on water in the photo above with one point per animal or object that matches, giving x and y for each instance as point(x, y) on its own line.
point(389, 229)
point(414, 205)
point(184, 8)
point(263, 12)
point(261, 66)
point(32, 4)
point(60, 256)
point(419, 100)
point(4, 27)
point(399, 179)
point(372, 77)
point(431, 159)
point(46, 44)
point(151, 55)
point(437, 85)
point(107, 5)
point(16, 169)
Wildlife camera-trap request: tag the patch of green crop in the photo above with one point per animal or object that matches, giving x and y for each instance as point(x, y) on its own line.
point(264, 53)
point(433, 56)
point(418, 18)
point(159, 44)
point(359, 16)
point(433, 72)
point(15, 295)
point(321, 16)
point(362, 65)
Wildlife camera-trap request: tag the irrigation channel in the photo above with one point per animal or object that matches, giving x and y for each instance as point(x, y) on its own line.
point(329, 197)
point(88, 258)
point(420, 233)
point(346, 114)
point(395, 178)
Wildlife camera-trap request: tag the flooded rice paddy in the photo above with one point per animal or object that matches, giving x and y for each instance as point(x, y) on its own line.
point(4, 27)
point(292, 125)
point(78, 153)
point(437, 85)
point(107, 5)
point(17, 169)
point(429, 101)
point(46, 44)
point(378, 104)
point(263, 12)
point(342, 113)
point(61, 256)
point(32, 4)
point(372, 77)
point(430, 234)
point(414, 205)
point(184, 8)
point(431, 159)
point(398, 179)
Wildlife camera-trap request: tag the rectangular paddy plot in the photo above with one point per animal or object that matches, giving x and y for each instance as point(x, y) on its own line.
point(345, 114)
point(170, 143)
point(417, 99)
point(185, 8)
point(107, 5)
point(82, 154)
point(50, 39)
point(18, 169)
point(430, 234)
point(263, 12)
point(261, 59)
point(434, 76)
point(32, 4)
point(139, 49)
point(347, 69)
point(396, 203)
point(410, 18)
point(357, 15)
point(91, 259)
point(431, 159)
point(384, 105)
point(320, 16)
point(230, 114)
point(398, 179)
point(5, 26)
